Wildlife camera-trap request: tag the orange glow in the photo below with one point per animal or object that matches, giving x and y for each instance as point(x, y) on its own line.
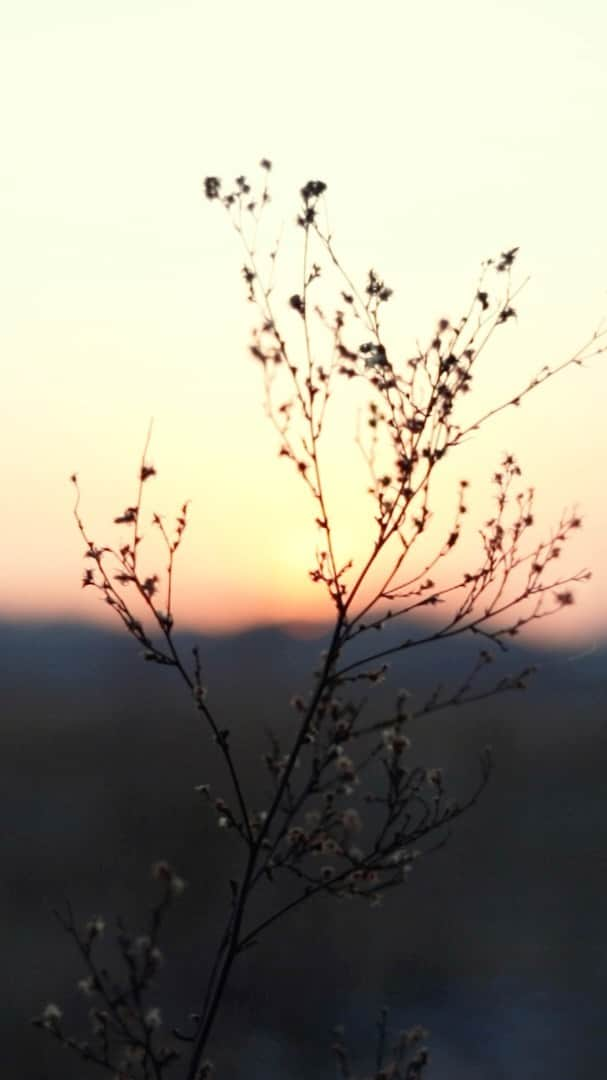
point(121, 291)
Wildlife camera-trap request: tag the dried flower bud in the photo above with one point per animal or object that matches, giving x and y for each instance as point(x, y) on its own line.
point(178, 885)
point(51, 1015)
point(95, 926)
point(162, 871)
point(212, 185)
point(345, 766)
point(153, 1018)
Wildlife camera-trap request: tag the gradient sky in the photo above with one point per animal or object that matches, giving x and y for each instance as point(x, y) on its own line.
point(446, 132)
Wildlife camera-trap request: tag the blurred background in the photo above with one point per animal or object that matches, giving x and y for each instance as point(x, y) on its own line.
point(496, 944)
point(446, 134)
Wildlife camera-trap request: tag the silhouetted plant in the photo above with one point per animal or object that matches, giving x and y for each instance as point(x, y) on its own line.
point(350, 812)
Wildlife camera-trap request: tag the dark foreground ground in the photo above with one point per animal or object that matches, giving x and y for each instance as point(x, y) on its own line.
point(497, 944)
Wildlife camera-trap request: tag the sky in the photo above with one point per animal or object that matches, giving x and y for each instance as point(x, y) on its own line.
point(445, 133)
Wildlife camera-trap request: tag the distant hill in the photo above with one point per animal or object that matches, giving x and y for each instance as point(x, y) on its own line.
point(81, 651)
point(495, 944)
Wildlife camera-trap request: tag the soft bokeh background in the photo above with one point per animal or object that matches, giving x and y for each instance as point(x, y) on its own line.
point(497, 943)
point(445, 132)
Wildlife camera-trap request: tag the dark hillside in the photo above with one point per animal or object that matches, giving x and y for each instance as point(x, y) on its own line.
point(497, 944)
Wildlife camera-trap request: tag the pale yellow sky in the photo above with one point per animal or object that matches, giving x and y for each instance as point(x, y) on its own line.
point(445, 132)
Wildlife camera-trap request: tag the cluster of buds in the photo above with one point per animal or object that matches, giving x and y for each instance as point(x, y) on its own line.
point(124, 1030)
point(395, 740)
point(406, 1059)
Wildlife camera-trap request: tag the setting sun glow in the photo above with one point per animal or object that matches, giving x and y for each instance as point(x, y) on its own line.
point(123, 300)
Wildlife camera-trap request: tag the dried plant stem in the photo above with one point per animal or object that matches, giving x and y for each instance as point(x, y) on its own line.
point(318, 809)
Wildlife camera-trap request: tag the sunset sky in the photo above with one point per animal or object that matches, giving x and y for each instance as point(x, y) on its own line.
point(445, 132)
